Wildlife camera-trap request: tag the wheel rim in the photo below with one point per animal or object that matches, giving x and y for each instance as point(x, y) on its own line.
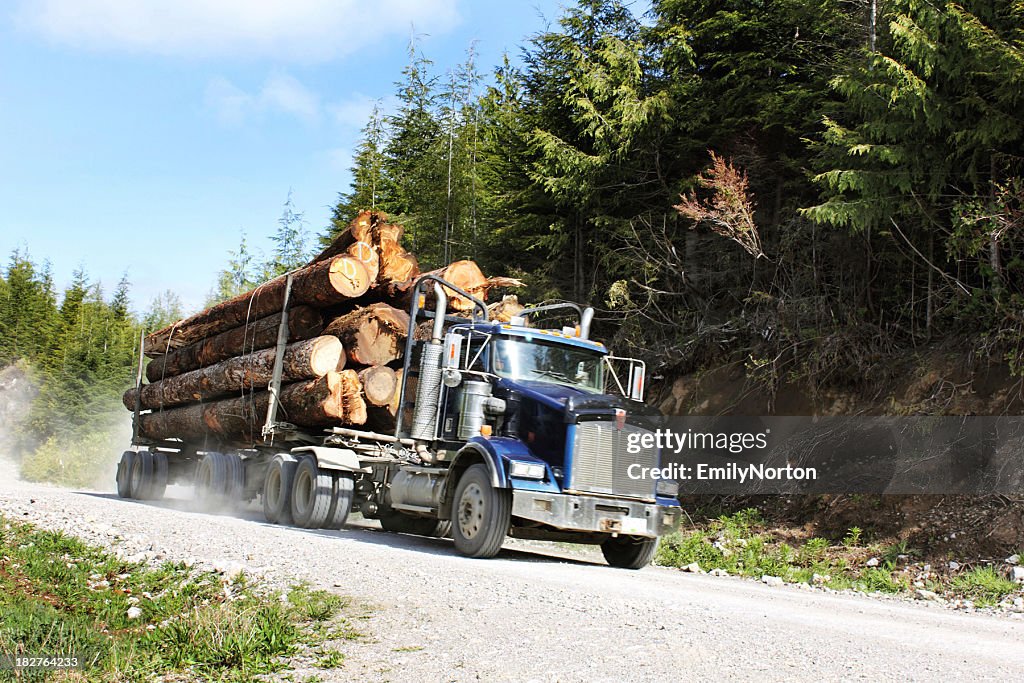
point(274, 487)
point(205, 477)
point(136, 475)
point(303, 491)
point(471, 510)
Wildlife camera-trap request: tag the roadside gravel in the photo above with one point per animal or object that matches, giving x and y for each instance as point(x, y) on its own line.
point(526, 616)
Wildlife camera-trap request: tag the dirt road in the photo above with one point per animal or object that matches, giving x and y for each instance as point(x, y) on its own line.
point(528, 616)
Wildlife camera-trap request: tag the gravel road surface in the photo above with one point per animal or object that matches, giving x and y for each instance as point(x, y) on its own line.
point(532, 615)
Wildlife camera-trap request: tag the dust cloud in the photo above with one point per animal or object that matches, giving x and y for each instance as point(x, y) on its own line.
point(17, 391)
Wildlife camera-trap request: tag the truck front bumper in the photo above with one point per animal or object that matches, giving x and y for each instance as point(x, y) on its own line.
point(571, 512)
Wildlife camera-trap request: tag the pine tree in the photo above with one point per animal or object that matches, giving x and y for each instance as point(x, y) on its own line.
point(368, 180)
point(291, 243)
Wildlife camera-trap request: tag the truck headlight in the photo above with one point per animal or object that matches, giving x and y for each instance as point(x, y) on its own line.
point(667, 487)
point(526, 470)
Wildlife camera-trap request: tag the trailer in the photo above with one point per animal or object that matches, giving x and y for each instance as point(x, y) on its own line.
point(503, 430)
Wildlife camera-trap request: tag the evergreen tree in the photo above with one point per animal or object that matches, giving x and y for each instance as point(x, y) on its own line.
point(291, 242)
point(367, 188)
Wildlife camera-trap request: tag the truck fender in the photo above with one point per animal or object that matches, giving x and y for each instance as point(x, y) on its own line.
point(470, 454)
point(344, 459)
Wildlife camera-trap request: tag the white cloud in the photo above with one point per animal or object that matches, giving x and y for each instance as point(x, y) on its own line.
point(279, 93)
point(284, 30)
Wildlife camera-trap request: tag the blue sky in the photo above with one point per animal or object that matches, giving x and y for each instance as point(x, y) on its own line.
point(145, 135)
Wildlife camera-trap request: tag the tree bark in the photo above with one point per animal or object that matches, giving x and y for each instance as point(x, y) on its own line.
point(319, 284)
point(329, 400)
point(303, 323)
point(463, 274)
point(372, 335)
point(302, 360)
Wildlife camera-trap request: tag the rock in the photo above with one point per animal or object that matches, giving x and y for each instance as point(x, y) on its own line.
point(1013, 559)
point(772, 580)
point(1018, 574)
point(873, 562)
point(953, 566)
point(922, 594)
point(693, 568)
point(1018, 604)
point(134, 612)
point(819, 580)
point(718, 571)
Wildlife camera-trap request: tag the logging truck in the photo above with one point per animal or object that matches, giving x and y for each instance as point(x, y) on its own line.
point(501, 429)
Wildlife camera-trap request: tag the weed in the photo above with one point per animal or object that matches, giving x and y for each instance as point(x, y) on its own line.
point(852, 538)
point(126, 621)
point(985, 585)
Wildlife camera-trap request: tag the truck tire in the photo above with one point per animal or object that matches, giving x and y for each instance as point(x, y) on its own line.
point(399, 523)
point(277, 489)
point(311, 494)
point(212, 480)
point(629, 552)
point(142, 475)
point(159, 475)
point(235, 477)
point(124, 474)
point(342, 492)
point(480, 514)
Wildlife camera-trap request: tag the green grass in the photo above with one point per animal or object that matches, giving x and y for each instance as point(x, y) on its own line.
point(740, 544)
point(985, 585)
point(59, 596)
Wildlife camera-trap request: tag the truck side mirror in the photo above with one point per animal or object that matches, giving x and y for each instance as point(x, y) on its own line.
point(637, 373)
point(452, 349)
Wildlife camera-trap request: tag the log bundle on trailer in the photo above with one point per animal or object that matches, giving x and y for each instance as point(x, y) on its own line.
point(345, 337)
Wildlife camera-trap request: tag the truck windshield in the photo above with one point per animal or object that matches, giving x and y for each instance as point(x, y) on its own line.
point(539, 361)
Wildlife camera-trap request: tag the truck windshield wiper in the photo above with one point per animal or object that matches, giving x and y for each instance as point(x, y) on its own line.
point(553, 373)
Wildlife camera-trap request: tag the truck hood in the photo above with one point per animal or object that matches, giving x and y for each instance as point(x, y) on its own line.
point(577, 403)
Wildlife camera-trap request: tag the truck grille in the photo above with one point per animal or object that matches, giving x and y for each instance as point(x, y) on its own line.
point(600, 461)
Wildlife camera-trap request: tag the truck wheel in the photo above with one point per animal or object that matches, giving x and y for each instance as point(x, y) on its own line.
point(235, 477)
point(480, 514)
point(159, 487)
point(124, 474)
point(311, 494)
point(399, 523)
point(277, 489)
point(342, 492)
point(629, 552)
point(212, 479)
point(142, 475)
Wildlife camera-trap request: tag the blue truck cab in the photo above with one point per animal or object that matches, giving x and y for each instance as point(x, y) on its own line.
point(537, 433)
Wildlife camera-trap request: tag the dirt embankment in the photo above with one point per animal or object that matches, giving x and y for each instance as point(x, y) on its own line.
point(938, 382)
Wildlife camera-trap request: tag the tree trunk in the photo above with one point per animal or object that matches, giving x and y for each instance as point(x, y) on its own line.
point(463, 274)
point(329, 400)
point(379, 384)
point(397, 265)
point(320, 284)
point(366, 254)
point(383, 418)
point(302, 360)
point(372, 335)
point(303, 323)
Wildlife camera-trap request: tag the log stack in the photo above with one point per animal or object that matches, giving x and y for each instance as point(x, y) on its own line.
point(347, 323)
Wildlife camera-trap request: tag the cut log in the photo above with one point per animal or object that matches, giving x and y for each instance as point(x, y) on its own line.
point(368, 255)
point(303, 360)
point(463, 274)
point(174, 423)
point(503, 311)
point(320, 284)
point(372, 335)
point(303, 323)
point(379, 384)
point(313, 403)
point(383, 418)
point(396, 264)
